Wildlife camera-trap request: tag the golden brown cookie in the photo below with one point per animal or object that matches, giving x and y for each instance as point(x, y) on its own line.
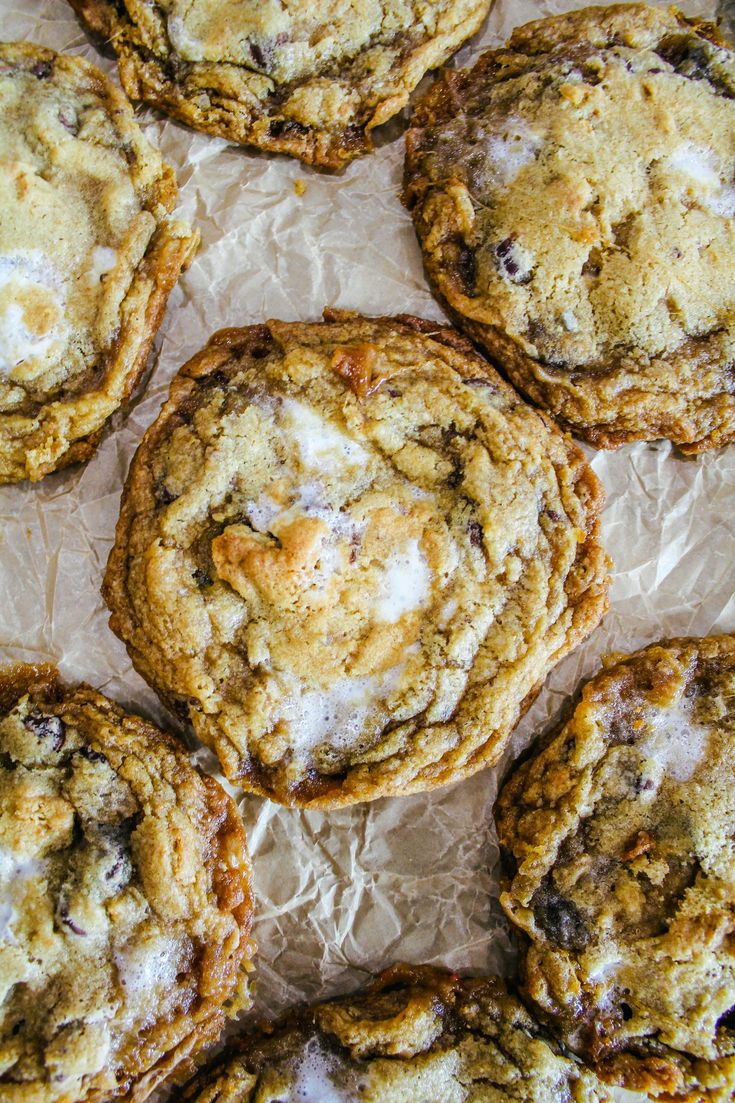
point(415, 1034)
point(88, 256)
point(619, 835)
point(350, 555)
point(125, 904)
point(311, 78)
point(573, 196)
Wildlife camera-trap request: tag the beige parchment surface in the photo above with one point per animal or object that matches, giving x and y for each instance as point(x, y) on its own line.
point(341, 895)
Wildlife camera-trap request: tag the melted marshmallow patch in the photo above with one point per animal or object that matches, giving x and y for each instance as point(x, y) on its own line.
point(336, 715)
point(405, 584)
point(675, 742)
point(314, 1083)
point(701, 164)
point(510, 151)
point(322, 446)
point(31, 310)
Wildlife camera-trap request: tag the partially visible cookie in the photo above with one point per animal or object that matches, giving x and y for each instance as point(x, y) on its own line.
point(311, 78)
point(125, 904)
point(573, 196)
point(619, 836)
point(350, 554)
point(88, 256)
point(415, 1034)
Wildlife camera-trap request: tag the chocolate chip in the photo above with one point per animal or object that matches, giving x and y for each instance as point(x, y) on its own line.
point(627, 1012)
point(68, 119)
point(164, 496)
point(286, 128)
point(257, 54)
point(46, 727)
point(506, 259)
point(467, 269)
point(475, 530)
point(553, 515)
point(42, 69)
point(202, 578)
point(457, 473)
point(68, 921)
point(91, 755)
point(559, 917)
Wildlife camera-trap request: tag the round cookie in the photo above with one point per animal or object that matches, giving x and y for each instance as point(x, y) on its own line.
point(125, 904)
point(88, 256)
point(350, 554)
point(311, 78)
point(618, 836)
point(416, 1033)
point(573, 196)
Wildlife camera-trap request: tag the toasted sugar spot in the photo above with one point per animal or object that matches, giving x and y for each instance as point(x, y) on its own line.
point(676, 742)
point(322, 446)
point(405, 584)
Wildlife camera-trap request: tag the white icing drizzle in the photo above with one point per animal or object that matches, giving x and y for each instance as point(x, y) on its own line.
point(675, 742)
point(405, 584)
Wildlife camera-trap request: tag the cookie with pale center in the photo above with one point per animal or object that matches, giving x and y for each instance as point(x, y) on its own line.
point(125, 906)
point(618, 838)
point(415, 1033)
point(573, 196)
point(311, 78)
point(350, 554)
point(88, 256)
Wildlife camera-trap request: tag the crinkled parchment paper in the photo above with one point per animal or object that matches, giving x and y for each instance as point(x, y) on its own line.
point(341, 895)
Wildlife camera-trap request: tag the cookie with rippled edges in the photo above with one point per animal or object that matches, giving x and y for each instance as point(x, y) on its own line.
point(618, 840)
point(415, 1033)
point(311, 78)
point(573, 196)
point(350, 554)
point(88, 257)
point(125, 905)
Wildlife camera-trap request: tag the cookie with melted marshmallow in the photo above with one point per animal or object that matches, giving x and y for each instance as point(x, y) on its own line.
point(125, 904)
point(88, 256)
point(573, 196)
point(618, 834)
point(350, 554)
point(311, 78)
point(416, 1033)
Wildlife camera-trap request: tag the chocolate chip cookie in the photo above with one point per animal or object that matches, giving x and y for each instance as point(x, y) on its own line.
point(124, 898)
point(350, 554)
point(416, 1033)
point(88, 256)
point(311, 78)
point(618, 834)
point(573, 195)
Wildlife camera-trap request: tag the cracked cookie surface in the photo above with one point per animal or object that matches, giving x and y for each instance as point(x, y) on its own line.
point(88, 256)
point(124, 898)
point(350, 554)
point(416, 1033)
point(618, 833)
point(310, 78)
point(573, 196)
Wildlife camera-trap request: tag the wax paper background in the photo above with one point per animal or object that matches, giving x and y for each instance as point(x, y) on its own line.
point(341, 895)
